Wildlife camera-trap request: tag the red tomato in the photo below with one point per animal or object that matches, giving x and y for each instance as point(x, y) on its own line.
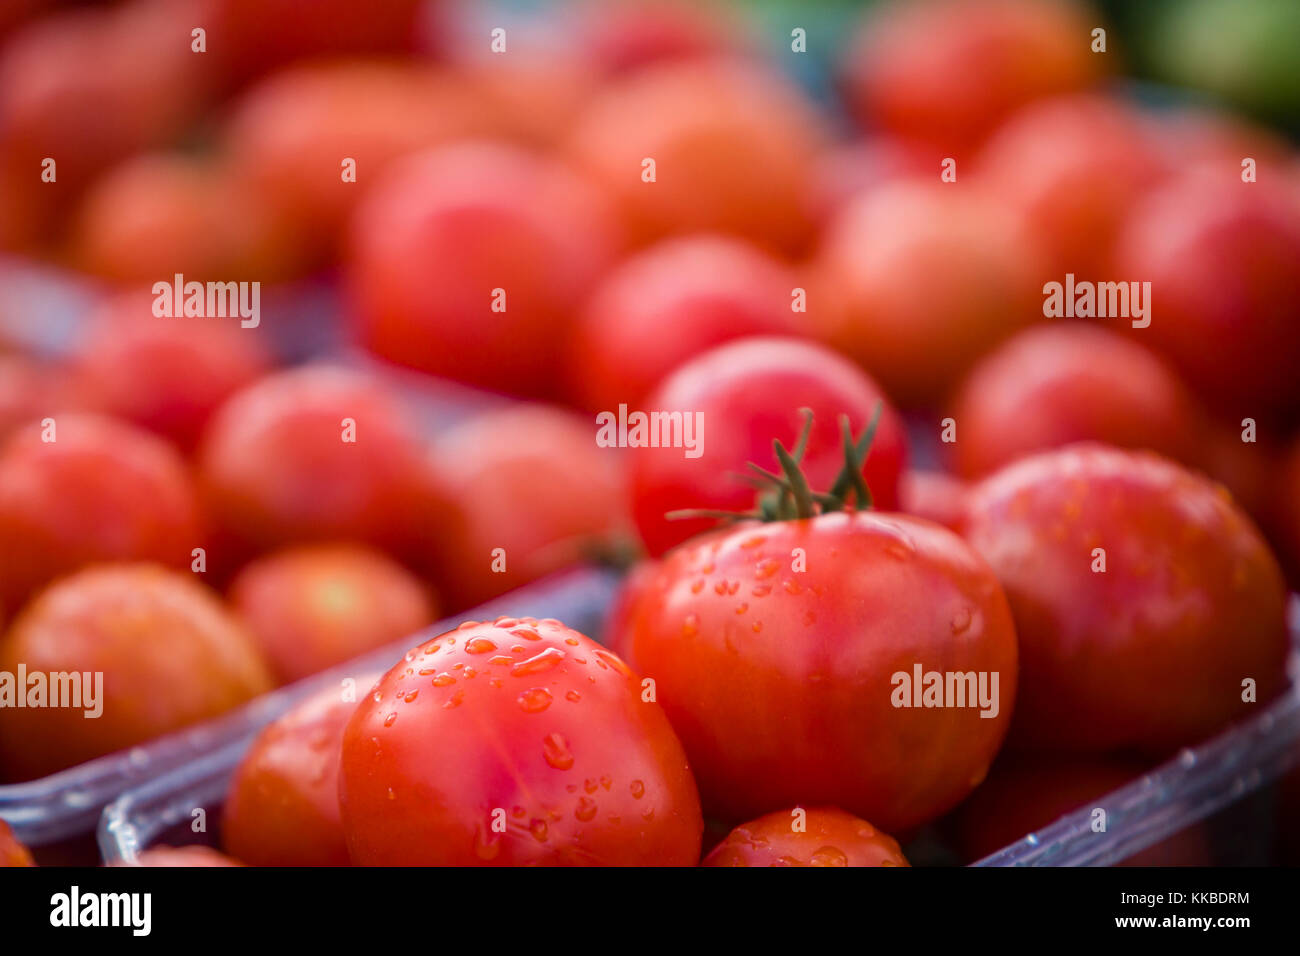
point(934, 496)
point(157, 214)
point(29, 390)
point(277, 464)
point(843, 172)
point(829, 837)
point(950, 70)
point(196, 855)
point(1023, 795)
point(13, 853)
point(622, 610)
point(282, 808)
point(1056, 384)
point(511, 241)
point(101, 490)
point(534, 494)
point(1151, 652)
point(667, 304)
point(553, 758)
point(1220, 141)
point(929, 276)
point(746, 393)
point(531, 97)
point(632, 34)
point(291, 134)
point(1223, 260)
point(166, 374)
point(169, 652)
point(780, 651)
point(737, 160)
point(315, 606)
point(1072, 168)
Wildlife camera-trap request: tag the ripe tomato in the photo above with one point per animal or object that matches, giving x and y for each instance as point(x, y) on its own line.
point(950, 70)
point(314, 606)
point(667, 304)
point(1055, 384)
point(511, 241)
point(1220, 141)
point(934, 496)
point(632, 34)
point(29, 390)
point(315, 453)
point(169, 652)
point(843, 172)
point(165, 374)
point(1152, 652)
point(101, 490)
point(1023, 795)
point(1223, 260)
point(779, 652)
point(534, 494)
point(929, 278)
point(1071, 168)
point(739, 160)
point(282, 808)
point(745, 393)
point(195, 855)
point(553, 758)
point(13, 853)
point(830, 837)
point(617, 627)
point(291, 134)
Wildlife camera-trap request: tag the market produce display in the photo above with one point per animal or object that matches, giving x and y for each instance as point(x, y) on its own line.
point(926, 370)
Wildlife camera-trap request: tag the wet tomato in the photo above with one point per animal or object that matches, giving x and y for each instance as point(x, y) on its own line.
point(822, 836)
point(313, 606)
point(169, 652)
point(1144, 599)
point(515, 742)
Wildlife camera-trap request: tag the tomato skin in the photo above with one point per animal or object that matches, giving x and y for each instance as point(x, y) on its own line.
point(274, 468)
point(934, 496)
point(512, 473)
point(627, 36)
point(429, 761)
point(282, 808)
point(749, 392)
point(195, 855)
point(103, 490)
point(170, 652)
point(831, 838)
point(166, 375)
point(1056, 384)
point(468, 219)
point(668, 303)
point(779, 683)
point(1151, 653)
point(13, 853)
point(313, 606)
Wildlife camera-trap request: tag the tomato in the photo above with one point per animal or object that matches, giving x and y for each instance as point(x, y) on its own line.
point(314, 606)
point(531, 97)
point(534, 494)
point(667, 304)
point(745, 393)
point(1220, 141)
point(291, 134)
point(739, 160)
point(165, 374)
point(1152, 652)
point(1072, 168)
point(1223, 260)
point(102, 490)
point(632, 34)
point(934, 496)
point(1055, 384)
point(780, 651)
point(511, 241)
point(845, 171)
point(553, 758)
point(315, 453)
point(195, 855)
point(949, 70)
point(282, 808)
point(930, 277)
point(13, 853)
point(829, 837)
point(1024, 795)
point(29, 390)
point(622, 610)
point(170, 654)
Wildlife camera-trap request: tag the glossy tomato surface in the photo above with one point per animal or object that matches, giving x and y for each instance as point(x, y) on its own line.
point(780, 653)
point(1152, 651)
point(169, 652)
point(745, 394)
point(515, 742)
point(822, 836)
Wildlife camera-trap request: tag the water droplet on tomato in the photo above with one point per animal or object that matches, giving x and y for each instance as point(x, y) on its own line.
point(538, 663)
point(555, 750)
point(534, 700)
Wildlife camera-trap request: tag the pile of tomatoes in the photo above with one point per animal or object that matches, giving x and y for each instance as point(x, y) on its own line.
point(931, 562)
